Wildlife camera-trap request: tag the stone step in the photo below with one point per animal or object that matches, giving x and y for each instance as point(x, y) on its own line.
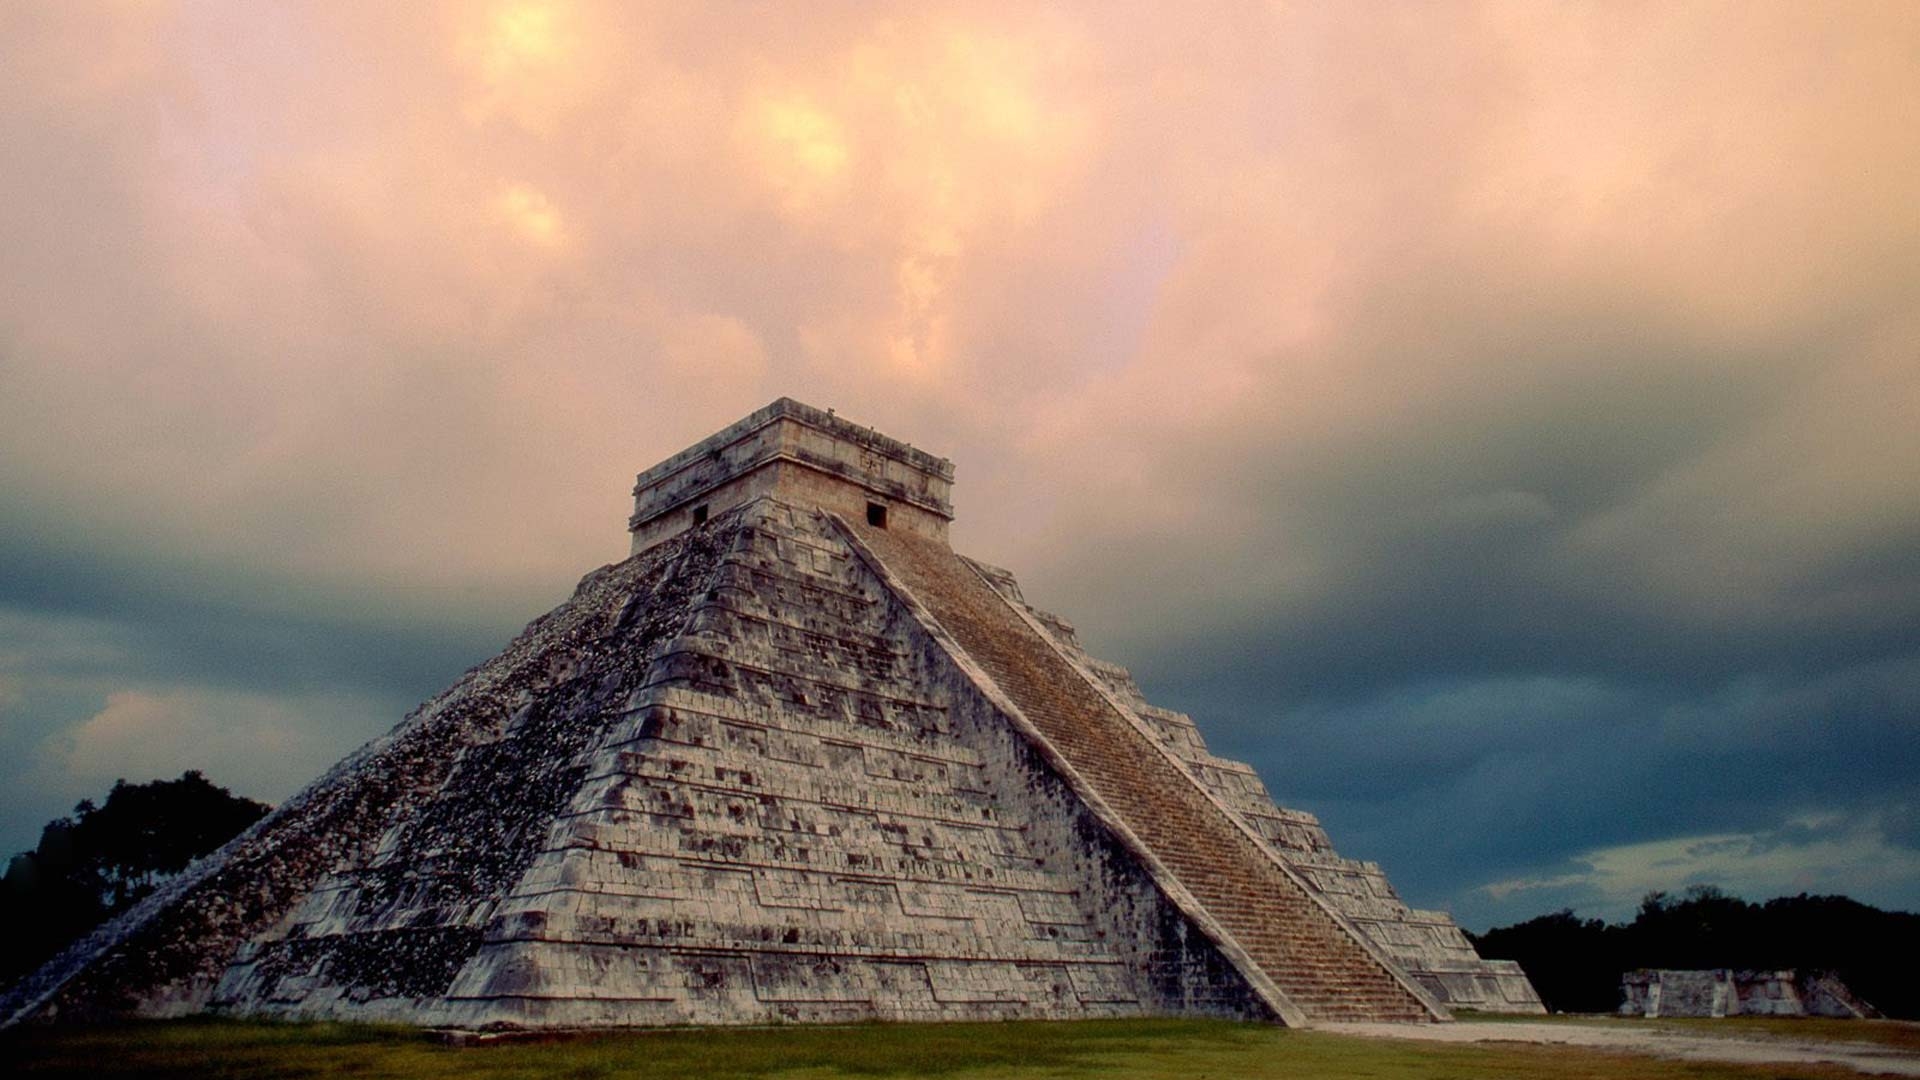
point(1314, 961)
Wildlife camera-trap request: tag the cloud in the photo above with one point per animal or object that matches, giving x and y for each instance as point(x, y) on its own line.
point(1825, 854)
point(261, 702)
point(326, 293)
point(260, 743)
point(263, 746)
point(1454, 783)
point(1487, 419)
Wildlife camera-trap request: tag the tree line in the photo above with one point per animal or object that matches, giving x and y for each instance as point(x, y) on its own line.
point(1576, 963)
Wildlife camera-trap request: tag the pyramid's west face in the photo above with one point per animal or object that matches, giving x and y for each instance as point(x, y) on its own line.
point(423, 823)
point(735, 782)
point(400, 923)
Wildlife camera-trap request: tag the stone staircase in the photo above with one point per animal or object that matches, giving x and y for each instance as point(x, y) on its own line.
point(1313, 960)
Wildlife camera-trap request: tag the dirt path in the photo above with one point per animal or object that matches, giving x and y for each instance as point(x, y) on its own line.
point(1741, 1048)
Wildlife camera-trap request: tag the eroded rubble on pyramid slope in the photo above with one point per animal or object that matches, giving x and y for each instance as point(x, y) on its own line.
point(1427, 944)
point(398, 927)
point(802, 812)
point(165, 955)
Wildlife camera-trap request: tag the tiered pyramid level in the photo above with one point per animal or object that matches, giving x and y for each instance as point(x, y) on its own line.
point(794, 760)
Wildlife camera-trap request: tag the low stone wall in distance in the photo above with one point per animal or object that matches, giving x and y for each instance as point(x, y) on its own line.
point(1725, 992)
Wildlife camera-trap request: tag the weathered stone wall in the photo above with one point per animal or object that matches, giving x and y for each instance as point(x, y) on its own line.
point(400, 923)
point(1718, 992)
point(803, 456)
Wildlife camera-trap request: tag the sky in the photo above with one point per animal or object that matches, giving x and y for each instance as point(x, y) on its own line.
point(1497, 423)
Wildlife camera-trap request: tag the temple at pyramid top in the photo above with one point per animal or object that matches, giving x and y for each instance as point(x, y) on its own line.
point(802, 456)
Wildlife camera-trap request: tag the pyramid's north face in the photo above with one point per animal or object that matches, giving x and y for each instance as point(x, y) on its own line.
point(793, 760)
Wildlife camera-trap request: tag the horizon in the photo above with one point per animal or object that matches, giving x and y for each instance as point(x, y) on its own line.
point(1492, 422)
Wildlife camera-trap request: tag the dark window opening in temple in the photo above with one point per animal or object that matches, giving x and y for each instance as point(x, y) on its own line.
point(700, 514)
point(876, 515)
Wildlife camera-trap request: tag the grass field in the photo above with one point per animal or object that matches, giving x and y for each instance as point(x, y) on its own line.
point(1186, 1049)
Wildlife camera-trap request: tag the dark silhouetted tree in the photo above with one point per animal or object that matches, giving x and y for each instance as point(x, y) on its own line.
point(1572, 962)
point(105, 858)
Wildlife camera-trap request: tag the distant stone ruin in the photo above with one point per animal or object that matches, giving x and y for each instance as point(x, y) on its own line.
point(793, 760)
point(1723, 992)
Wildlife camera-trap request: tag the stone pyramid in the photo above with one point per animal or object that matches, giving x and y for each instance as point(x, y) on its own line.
point(793, 760)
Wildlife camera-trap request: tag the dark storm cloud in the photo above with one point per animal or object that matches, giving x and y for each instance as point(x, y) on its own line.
point(262, 681)
point(242, 625)
point(1469, 782)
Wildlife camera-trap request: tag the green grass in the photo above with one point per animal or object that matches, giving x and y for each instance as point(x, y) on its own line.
point(1184, 1049)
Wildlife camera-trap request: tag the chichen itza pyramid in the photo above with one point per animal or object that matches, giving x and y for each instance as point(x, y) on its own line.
point(793, 760)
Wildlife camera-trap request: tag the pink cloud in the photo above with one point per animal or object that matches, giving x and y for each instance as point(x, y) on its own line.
point(412, 295)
